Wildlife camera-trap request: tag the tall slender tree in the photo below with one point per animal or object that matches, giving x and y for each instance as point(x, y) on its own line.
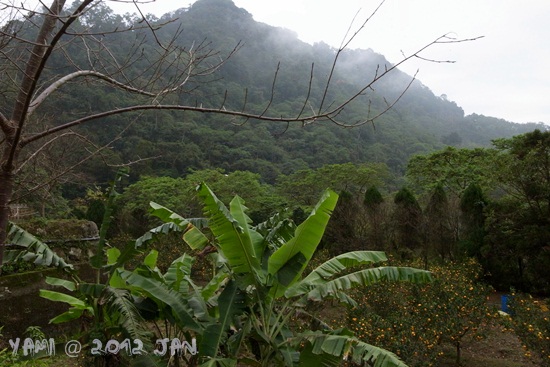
point(518, 225)
point(407, 218)
point(439, 234)
point(376, 218)
point(472, 206)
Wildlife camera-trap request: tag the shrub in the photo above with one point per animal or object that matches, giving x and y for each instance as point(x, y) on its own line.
point(414, 320)
point(531, 322)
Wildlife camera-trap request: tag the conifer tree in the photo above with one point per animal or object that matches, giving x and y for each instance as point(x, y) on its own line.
point(439, 237)
point(472, 206)
point(376, 219)
point(407, 221)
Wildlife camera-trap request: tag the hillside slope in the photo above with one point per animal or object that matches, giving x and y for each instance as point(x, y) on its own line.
point(419, 123)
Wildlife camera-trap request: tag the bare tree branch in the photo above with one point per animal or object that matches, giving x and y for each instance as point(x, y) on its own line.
point(63, 172)
point(40, 149)
point(330, 114)
point(345, 43)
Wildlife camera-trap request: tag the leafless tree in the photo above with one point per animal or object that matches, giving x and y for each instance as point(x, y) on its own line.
point(30, 38)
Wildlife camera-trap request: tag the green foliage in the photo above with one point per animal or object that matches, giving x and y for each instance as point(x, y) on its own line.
point(243, 312)
point(164, 143)
point(373, 197)
point(179, 194)
point(95, 211)
point(111, 309)
point(304, 186)
point(531, 322)
point(453, 169)
point(344, 231)
point(498, 206)
point(438, 226)
point(407, 217)
point(414, 321)
point(377, 219)
point(7, 359)
point(518, 229)
point(247, 304)
point(30, 249)
point(472, 206)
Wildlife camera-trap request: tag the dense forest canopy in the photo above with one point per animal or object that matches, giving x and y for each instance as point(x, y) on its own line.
point(172, 144)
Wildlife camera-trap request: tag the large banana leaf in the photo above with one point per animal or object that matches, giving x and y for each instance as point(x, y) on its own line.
point(77, 306)
point(177, 275)
point(233, 239)
point(67, 284)
point(166, 215)
point(332, 267)
point(365, 277)
point(231, 302)
point(158, 291)
point(305, 241)
point(238, 211)
point(190, 227)
point(31, 249)
point(346, 347)
point(208, 292)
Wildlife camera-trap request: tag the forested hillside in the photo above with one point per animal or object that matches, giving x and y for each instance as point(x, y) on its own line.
point(270, 68)
point(172, 143)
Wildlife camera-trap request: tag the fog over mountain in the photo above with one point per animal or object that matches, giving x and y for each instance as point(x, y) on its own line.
point(420, 122)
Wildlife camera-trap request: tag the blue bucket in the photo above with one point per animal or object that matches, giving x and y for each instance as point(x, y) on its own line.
point(504, 303)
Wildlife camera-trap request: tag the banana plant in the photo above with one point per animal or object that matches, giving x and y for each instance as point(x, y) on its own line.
point(243, 315)
point(112, 309)
point(260, 286)
point(26, 247)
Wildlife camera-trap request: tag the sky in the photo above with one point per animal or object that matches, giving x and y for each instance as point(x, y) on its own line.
point(504, 74)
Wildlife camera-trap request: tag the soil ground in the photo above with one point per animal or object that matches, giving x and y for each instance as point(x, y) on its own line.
point(500, 348)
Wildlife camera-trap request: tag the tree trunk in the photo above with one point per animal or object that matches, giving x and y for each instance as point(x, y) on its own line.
point(6, 189)
point(458, 353)
point(13, 128)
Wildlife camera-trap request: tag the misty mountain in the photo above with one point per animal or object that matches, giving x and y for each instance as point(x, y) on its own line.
point(419, 123)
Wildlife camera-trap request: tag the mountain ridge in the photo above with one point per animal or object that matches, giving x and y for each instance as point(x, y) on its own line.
point(419, 123)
